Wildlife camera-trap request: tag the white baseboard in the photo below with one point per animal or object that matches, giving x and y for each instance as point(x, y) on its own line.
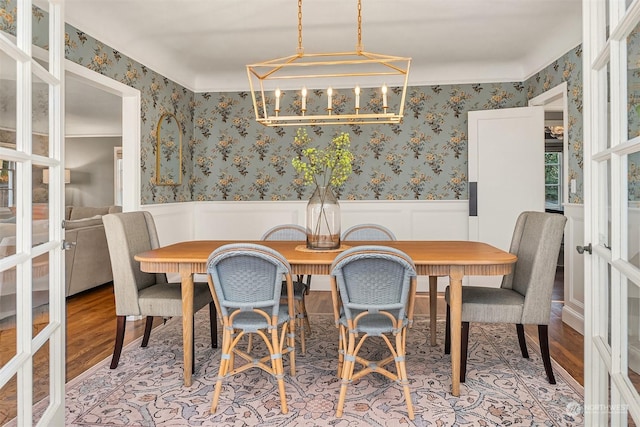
point(573, 318)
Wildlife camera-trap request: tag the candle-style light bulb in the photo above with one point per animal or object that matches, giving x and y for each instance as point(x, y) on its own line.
point(357, 91)
point(329, 94)
point(304, 98)
point(278, 99)
point(384, 96)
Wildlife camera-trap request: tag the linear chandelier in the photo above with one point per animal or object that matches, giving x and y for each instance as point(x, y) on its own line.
point(318, 88)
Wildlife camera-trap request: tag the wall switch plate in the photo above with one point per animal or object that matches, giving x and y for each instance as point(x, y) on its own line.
point(573, 186)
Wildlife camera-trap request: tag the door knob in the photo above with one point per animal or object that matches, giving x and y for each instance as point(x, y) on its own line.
point(582, 249)
point(67, 245)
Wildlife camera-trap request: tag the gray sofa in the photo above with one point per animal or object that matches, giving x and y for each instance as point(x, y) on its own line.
point(87, 262)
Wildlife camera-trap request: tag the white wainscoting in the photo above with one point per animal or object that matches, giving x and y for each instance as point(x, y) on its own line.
point(409, 220)
point(573, 310)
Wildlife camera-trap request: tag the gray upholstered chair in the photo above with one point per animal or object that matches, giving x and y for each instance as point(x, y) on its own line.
point(373, 290)
point(524, 296)
point(144, 294)
point(368, 232)
point(246, 283)
point(302, 284)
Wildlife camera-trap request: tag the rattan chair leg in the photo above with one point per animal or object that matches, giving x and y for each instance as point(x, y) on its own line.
point(342, 348)
point(291, 330)
point(300, 316)
point(347, 374)
point(249, 342)
point(401, 368)
point(224, 367)
point(278, 369)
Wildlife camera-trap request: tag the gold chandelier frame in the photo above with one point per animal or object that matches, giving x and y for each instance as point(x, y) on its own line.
point(341, 68)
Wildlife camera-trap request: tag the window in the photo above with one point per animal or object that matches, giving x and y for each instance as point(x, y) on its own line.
point(553, 180)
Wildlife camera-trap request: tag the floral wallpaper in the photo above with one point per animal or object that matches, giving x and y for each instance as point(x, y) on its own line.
point(633, 111)
point(424, 157)
point(229, 156)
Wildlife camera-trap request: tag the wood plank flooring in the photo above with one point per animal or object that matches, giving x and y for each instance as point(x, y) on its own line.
point(91, 325)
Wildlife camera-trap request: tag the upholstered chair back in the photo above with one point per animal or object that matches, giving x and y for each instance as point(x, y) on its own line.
point(536, 241)
point(128, 234)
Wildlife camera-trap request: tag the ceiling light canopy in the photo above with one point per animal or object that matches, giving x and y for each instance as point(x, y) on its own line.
point(318, 88)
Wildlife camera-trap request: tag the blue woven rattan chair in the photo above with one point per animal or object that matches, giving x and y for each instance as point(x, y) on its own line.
point(246, 284)
point(368, 232)
point(524, 296)
point(373, 291)
point(301, 285)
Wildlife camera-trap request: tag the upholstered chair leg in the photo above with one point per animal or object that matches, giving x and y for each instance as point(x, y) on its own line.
point(147, 331)
point(521, 340)
point(543, 337)
point(121, 323)
point(464, 347)
point(213, 323)
point(447, 332)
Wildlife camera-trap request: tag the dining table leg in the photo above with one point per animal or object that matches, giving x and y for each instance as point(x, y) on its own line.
point(187, 323)
point(455, 303)
point(433, 308)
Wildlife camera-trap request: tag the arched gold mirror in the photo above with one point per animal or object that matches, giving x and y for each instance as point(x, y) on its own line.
point(168, 150)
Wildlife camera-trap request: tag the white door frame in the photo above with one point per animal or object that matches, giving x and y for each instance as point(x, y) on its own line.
point(20, 366)
point(543, 100)
point(610, 397)
point(131, 122)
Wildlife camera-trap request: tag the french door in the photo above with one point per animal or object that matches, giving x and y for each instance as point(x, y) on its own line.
point(611, 58)
point(32, 296)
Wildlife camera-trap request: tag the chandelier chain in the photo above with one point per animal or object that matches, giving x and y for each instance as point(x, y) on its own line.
point(300, 48)
point(359, 45)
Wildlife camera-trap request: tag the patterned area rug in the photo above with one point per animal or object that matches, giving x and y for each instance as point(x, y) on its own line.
point(501, 388)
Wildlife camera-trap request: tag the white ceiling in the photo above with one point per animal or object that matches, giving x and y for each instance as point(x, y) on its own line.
point(206, 44)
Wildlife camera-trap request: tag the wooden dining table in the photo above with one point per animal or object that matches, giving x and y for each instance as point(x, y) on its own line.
point(432, 258)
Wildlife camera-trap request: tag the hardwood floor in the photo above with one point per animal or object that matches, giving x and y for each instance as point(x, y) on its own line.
point(91, 325)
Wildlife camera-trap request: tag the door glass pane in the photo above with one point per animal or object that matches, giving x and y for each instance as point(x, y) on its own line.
point(8, 97)
point(604, 199)
point(605, 137)
point(8, 401)
point(633, 208)
point(40, 27)
point(604, 324)
point(7, 315)
point(41, 381)
point(40, 292)
point(40, 205)
point(633, 333)
point(40, 144)
point(633, 83)
point(40, 116)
